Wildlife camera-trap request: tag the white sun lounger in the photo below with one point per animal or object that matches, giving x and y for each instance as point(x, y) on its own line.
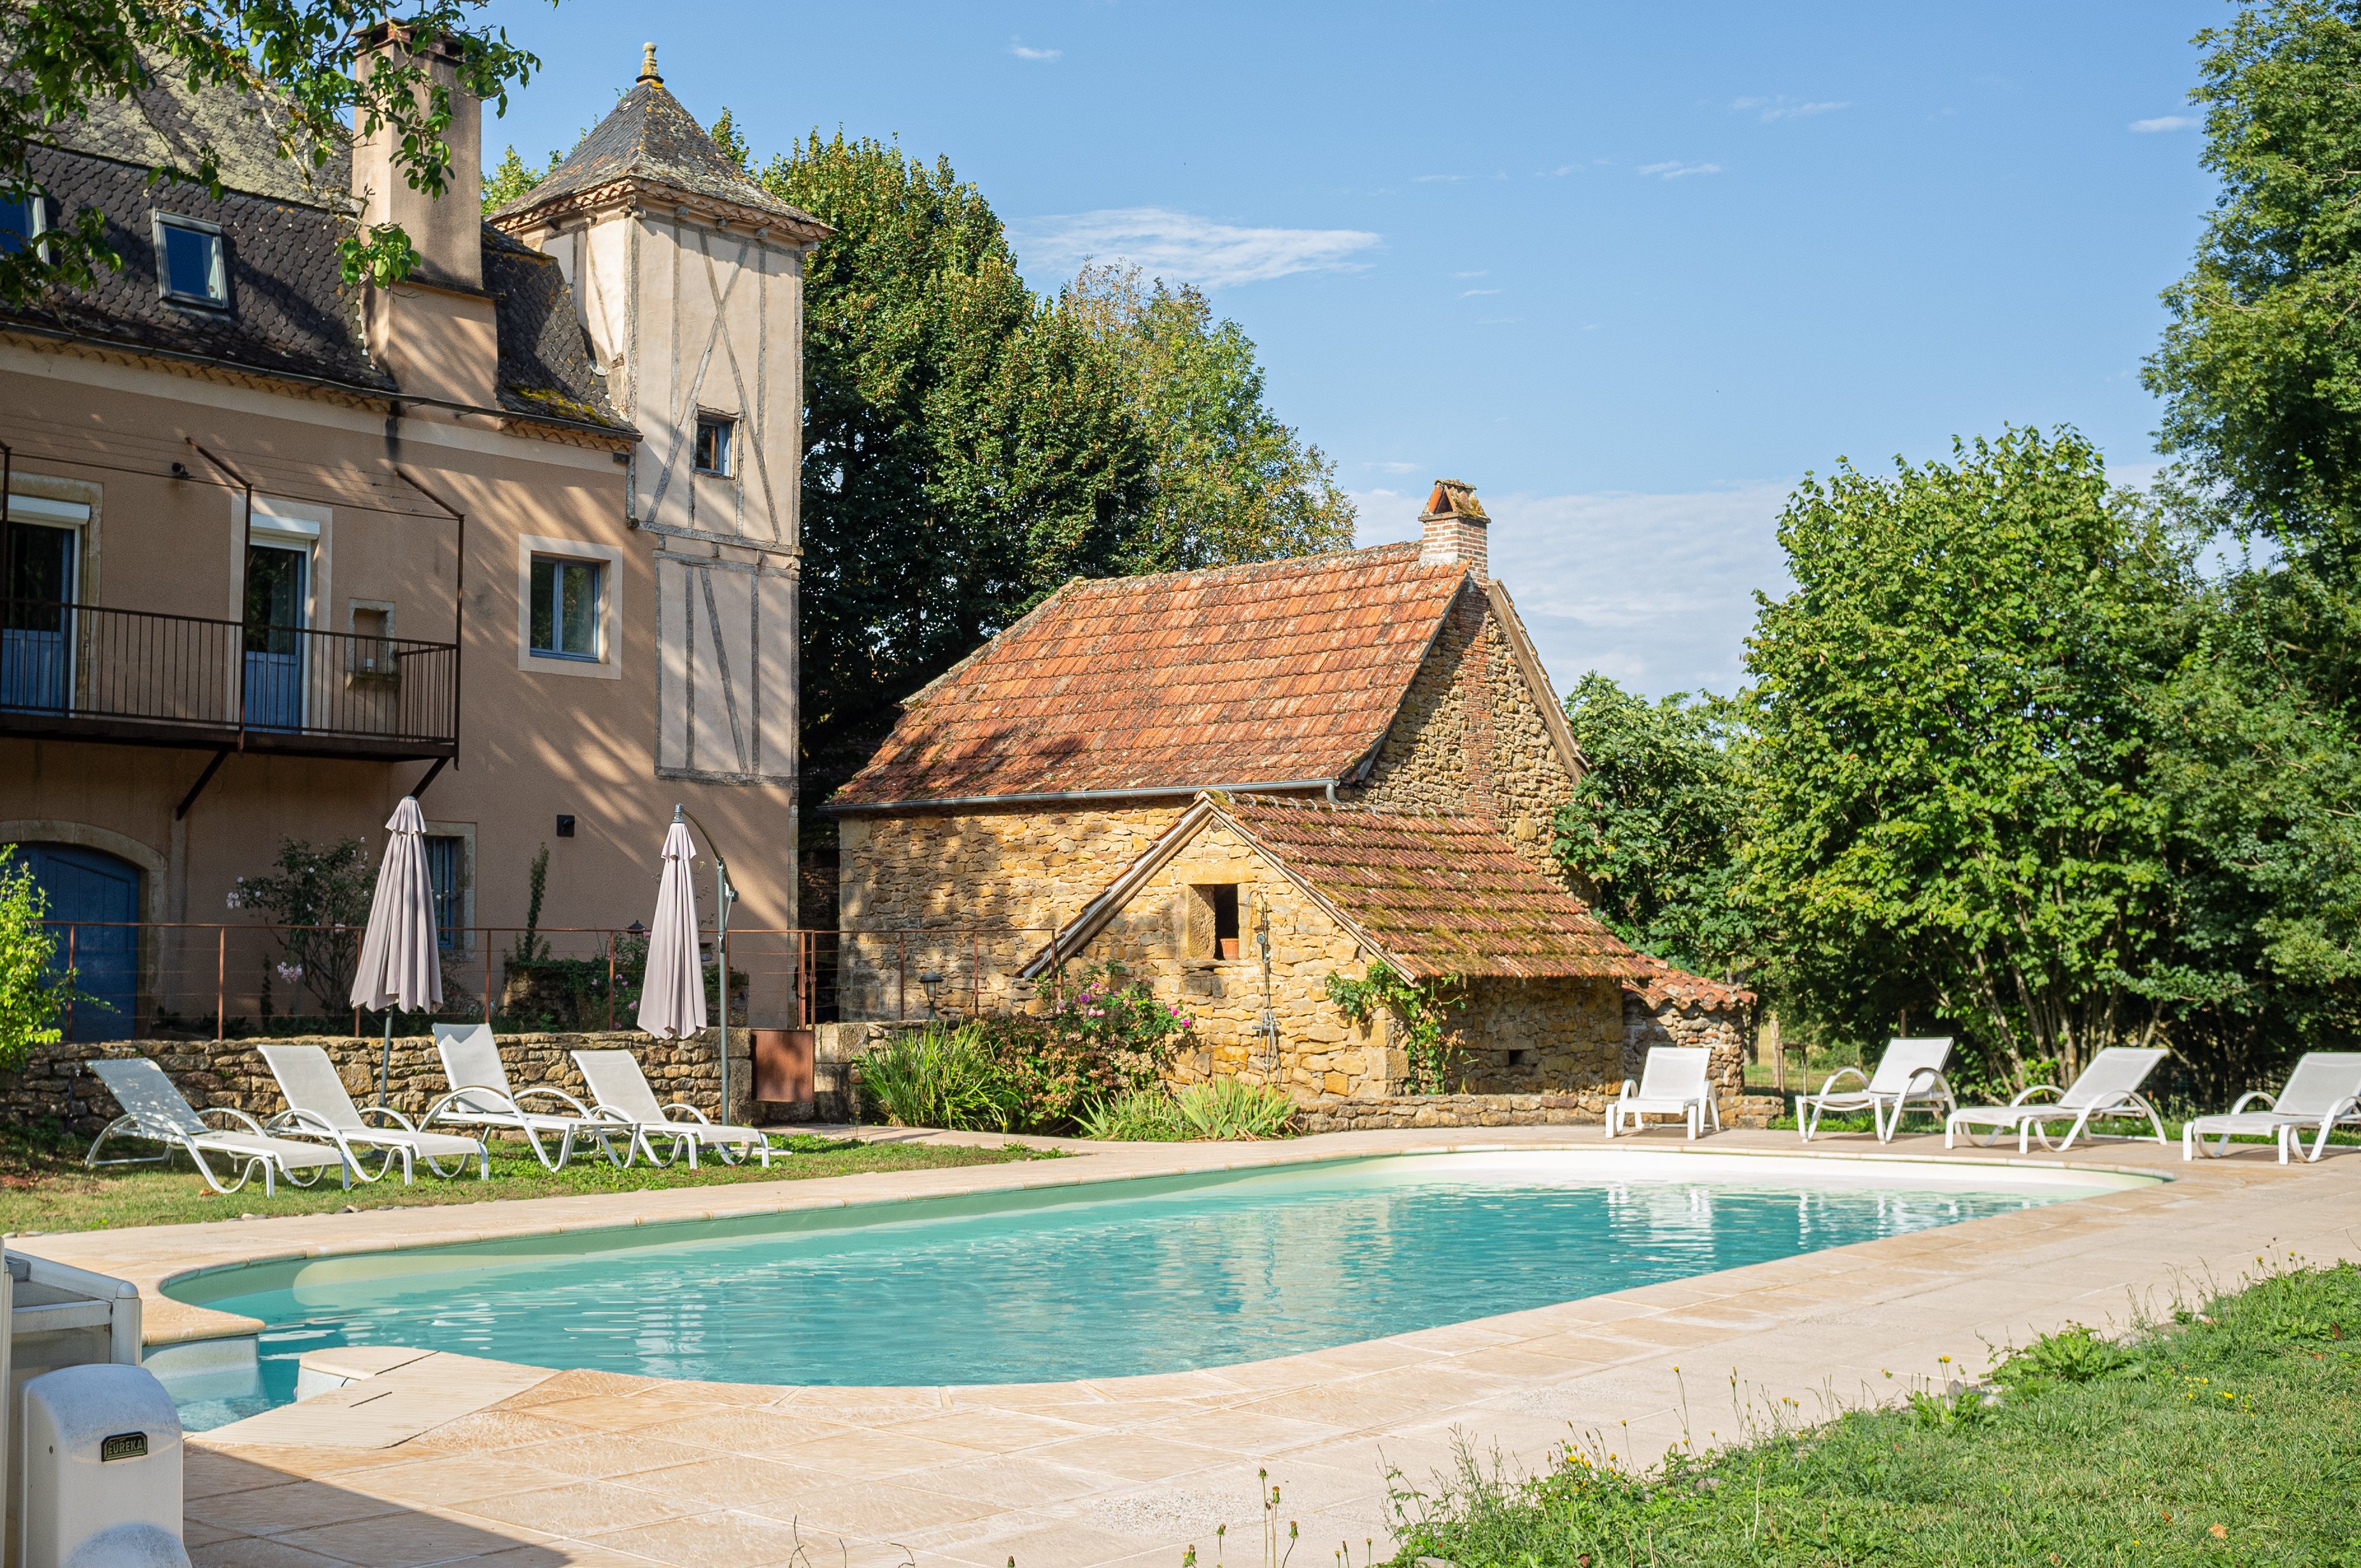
point(1909, 1077)
point(619, 1092)
point(319, 1106)
point(480, 1097)
point(1672, 1084)
point(2107, 1089)
point(2323, 1089)
point(153, 1110)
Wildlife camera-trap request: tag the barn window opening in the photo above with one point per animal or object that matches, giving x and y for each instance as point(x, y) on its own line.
point(1212, 921)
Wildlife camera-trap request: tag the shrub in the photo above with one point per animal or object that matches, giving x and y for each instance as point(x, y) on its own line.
point(32, 994)
point(320, 898)
point(938, 1076)
point(1223, 1109)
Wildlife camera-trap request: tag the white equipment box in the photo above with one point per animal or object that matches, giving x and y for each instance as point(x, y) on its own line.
point(54, 1315)
point(102, 1468)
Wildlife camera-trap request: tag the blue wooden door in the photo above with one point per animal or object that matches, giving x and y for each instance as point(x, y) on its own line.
point(275, 597)
point(93, 885)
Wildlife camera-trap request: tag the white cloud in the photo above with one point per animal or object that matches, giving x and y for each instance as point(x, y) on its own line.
point(1045, 56)
point(1560, 172)
point(1655, 590)
point(1479, 272)
point(2162, 122)
point(1436, 179)
point(1784, 108)
point(1183, 248)
point(1675, 170)
point(1472, 293)
point(1397, 467)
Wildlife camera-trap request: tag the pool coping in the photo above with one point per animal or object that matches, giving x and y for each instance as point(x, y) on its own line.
point(1108, 1470)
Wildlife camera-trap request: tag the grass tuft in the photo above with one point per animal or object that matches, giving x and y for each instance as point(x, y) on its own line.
point(2230, 1434)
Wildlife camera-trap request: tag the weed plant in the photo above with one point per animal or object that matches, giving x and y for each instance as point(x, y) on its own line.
point(1220, 1108)
point(2226, 1435)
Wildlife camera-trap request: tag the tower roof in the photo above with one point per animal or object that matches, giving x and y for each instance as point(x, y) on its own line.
point(652, 142)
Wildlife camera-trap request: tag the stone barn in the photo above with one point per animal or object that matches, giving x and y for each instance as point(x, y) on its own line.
point(1288, 716)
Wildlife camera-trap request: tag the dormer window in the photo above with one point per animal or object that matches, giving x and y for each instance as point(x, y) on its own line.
point(189, 269)
point(22, 219)
point(716, 435)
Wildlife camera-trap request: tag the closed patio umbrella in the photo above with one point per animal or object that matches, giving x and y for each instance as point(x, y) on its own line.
point(401, 953)
point(672, 996)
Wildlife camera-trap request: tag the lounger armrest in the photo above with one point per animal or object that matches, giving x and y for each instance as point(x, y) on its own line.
point(391, 1115)
point(1927, 1079)
point(2025, 1095)
point(1827, 1085)
point(295, 1119)
point(2250, 1097)
point(1631, 1090)
point(234, 1115)
point(496, 1099)
point(683, 1105)
point(546, 1092)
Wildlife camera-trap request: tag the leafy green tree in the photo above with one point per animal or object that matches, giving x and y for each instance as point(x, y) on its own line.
point(2260, 364)
point(1946, 811)
point(64, 56)
point(512, 176)
point(1653, 824)
point(33, 994)
point(1229, 481)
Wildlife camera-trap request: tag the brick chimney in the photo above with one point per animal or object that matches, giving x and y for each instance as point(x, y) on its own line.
point(434, 330)
point(1455, 528)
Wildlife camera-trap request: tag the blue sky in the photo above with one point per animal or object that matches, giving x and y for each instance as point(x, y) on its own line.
point(1630, 270)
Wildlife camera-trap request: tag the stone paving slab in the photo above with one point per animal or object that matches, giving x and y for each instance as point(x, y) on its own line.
point(597, 1469)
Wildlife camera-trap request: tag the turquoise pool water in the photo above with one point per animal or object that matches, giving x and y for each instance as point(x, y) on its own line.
point(1090, 1281)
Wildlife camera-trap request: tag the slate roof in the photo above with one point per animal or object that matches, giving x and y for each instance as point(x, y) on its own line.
point(651, 135)
point(1263, 675)
point(289, 312)
point(546, 369)
point(1440, 894)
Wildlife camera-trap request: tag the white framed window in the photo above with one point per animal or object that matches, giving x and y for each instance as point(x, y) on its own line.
point(190, 267)
point(23, 219)
point(569, 607)
point(716, 441)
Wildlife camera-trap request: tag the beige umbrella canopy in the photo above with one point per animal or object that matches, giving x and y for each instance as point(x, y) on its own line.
point(401, 953)
point(671, 997)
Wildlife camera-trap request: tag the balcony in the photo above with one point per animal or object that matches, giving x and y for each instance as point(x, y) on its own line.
point(76, 671)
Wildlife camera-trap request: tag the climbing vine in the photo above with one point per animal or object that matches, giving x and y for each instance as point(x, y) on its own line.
point(1424, 1007)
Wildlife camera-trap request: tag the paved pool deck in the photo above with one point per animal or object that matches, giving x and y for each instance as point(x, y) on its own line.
point(433, 1459)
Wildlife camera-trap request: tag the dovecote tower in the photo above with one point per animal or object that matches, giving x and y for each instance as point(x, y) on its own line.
point(688, 276)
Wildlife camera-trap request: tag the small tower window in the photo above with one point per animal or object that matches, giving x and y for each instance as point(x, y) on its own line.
point(1212, 921)
point(189, 265)
point(716, 435)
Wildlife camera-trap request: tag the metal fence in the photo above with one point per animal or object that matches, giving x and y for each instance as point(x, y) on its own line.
point(224, 981)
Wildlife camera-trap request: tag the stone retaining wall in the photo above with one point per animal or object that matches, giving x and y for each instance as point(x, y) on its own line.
point(1500, 1110)
point(231, 1073)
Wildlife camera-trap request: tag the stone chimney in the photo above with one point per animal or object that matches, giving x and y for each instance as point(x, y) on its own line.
point(434, 330)
point(1455, 528)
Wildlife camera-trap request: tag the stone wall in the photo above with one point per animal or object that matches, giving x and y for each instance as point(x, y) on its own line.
point(1536, 1037)
point(969, 896)
point(1470, 736)
point(1656, 1015)
point(1496, 1111)
point(231, 1073)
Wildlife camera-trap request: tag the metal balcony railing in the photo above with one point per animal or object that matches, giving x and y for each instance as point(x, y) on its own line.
point(84, 671)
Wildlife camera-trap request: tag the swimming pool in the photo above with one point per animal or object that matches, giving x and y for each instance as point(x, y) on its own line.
point(1092, 1280)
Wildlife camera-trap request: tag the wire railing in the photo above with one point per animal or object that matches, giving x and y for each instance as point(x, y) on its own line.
point(198, 979)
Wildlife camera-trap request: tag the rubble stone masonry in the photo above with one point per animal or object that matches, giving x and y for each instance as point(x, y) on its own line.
point(54, 1084)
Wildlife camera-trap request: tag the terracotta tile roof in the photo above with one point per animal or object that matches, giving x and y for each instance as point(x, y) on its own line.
point(1248, 675)
point(1660, 982)
point(1441, 893)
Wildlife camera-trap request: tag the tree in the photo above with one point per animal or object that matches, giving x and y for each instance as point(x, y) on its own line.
point(1947, 812)
point(2260, 364)
point(512, 176)
point(1653, 823)
point(65, 56)
point(319, 899)
point(1229, 482)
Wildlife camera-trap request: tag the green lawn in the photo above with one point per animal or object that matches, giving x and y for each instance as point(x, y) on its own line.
point(45, 1186)
point(2229, 1435)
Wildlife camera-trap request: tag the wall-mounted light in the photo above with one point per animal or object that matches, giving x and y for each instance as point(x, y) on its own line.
point(565, 825)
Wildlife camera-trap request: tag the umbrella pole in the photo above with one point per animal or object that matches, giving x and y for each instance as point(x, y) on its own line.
point(385, 1061)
